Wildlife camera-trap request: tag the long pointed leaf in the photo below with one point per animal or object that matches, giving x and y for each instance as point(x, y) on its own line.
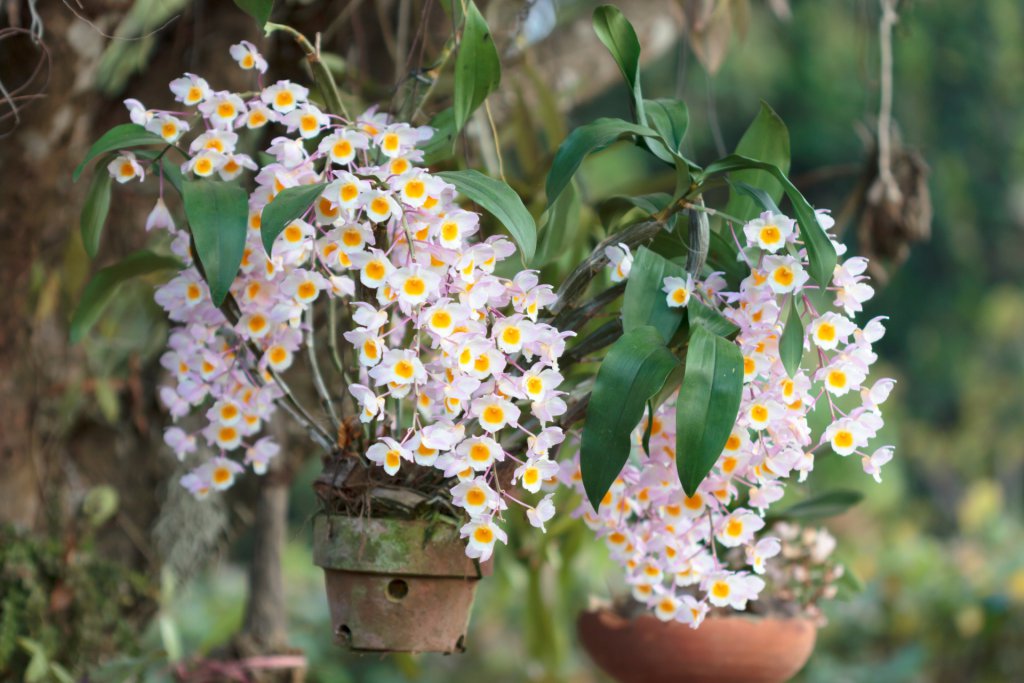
point(119, 137)
point(820, 251)
point(617, 34)
point(708, 403)
point(585, 140)
point(288, 204)
point(711, 319)
point(95, 211)
point(561, 221)
point(644, 302)
point(767, 140)
point(671, 119)
point(824, 505)
point(218, 214)
point(791, 345)
point(257, 9)
point(633, 371)
point(502, 202)
point(100, 290)
point(477, 68)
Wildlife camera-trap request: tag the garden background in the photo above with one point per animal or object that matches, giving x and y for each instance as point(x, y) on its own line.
point(100, 546)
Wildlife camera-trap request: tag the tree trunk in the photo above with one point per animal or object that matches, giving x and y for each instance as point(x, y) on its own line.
point(266, 618)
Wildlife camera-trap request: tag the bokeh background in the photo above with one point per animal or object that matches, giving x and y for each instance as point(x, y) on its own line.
point(102, 559)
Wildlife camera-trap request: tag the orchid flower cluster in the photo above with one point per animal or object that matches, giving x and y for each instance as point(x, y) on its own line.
point(433, 329)
point(806, 572)
point(667, 542)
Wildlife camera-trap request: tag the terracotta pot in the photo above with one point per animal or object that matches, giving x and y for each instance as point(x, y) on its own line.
point(723, 650)
point(396, 585)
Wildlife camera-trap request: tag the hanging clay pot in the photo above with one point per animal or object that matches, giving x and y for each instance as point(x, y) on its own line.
point(723, 650)
point(396, 585)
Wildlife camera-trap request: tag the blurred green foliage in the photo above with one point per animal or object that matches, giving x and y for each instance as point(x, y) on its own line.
point(63, 605)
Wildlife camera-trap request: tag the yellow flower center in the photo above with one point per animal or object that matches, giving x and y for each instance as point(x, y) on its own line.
point(475, 497)
point(221, 475)
point(770, 234)
point(479, 452)
point(449, 231)
point(843, 438)
point(415, 189)
point(414, 286)
point(837, 379)
point(342, 148)
point(441, 319)
point(493, 414)
point(783, 275)
point(284, 98)
point(404, 369)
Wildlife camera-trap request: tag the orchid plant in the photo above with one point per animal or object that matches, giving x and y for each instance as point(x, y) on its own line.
point(440, 358)
point(666, 526)
point(448, 376)
point(732, 340)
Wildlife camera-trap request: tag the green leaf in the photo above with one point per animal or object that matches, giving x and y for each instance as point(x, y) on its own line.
point(827, 504)
point(502, 202)
point(60, 673)
point(102, 288)
point(585, 140)
point(644, 302)
point(645, 442)
point(633, 371)
point(287, 205)
point(820, 251)
point(119, 137)
point(561, 222)
point(762, 198)
point(172, 174)
point(715, 322)
point(477, 69)
point(170, 170)
point(849, 584)
point(670, 118)
point(617, 34)
point(218, 213)
point(791, 345)
point(708, 403)
point(39, 664)
point(612, 210)
point(257, 9)
point(95, 210)
point(442, 144)
point(723, 255)
point(767, 140)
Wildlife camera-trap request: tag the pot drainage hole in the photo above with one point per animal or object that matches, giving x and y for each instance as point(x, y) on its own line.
point(397, 590)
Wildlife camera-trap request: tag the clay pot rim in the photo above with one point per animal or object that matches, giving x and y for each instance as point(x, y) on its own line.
point(735, 616)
